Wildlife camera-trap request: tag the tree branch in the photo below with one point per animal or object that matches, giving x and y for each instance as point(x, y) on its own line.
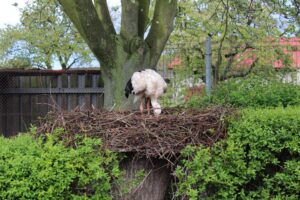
point(228, 67)
point(72, 63)
point(219, 54)
point(129, 19)
point(161, 28)
point(231, 56)
point(85, 18)
point(143, 19)
point(104, 16)
point(61, 61)
point(240, 74)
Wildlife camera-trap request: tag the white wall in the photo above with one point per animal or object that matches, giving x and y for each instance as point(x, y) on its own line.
point(293, 77)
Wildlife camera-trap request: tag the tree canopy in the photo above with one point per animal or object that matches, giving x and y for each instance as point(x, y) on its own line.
point(236, 27)
point(45, 36)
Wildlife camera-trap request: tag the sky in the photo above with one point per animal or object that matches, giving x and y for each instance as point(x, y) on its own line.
point(10, 14)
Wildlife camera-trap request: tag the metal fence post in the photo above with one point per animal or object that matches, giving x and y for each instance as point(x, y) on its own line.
point(69, 106)
point(81, 85)
point(208, 81)
point(95, 78)
point(59, 96)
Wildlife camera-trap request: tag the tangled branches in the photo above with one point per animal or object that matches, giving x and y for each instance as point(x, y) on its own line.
point(164, 136)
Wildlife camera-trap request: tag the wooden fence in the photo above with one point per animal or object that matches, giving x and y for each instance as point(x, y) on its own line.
point(26, 95)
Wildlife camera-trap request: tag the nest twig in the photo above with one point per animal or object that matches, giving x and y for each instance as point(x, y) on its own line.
point(164, 136)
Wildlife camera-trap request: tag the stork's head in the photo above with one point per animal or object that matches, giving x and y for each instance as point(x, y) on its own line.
point(128, 88)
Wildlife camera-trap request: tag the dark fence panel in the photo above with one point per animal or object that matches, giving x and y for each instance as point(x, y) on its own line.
point(27, 95)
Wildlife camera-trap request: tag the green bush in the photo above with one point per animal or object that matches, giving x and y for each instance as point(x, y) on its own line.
point(259, 160)
point(32, 169)
point(251, 92)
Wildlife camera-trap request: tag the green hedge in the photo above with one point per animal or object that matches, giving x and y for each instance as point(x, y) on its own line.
point(32, 169)
point(259, 160)
point(251, 92)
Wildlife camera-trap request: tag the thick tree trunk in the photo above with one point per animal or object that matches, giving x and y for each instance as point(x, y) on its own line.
point(153, 183)
point(122, 54)
point(128, 59)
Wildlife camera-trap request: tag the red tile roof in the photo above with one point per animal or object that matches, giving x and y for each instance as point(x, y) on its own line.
point(292, 41)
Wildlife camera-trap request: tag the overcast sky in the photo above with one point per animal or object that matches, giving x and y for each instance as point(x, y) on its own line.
point(10, 14)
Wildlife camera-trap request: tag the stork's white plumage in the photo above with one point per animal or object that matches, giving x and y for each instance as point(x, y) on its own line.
point(147, 84)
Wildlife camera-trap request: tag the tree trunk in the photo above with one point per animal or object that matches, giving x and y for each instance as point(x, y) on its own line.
point(152, 185)
point(128, 59)
point(122, 54)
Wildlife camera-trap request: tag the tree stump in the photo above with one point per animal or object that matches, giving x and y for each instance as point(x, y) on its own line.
point(154, 183)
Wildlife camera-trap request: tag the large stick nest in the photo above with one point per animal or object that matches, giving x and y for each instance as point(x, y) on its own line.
point(164, 136)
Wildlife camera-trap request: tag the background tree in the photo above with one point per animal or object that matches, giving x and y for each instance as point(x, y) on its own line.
point(12, 55)
point(16, 62)
point(288, 13)
point(237, 27)
point(45, 36)
point(134, 48)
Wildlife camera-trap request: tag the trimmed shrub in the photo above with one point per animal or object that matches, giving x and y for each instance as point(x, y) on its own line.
point(32, 169)
point(259, 160)
point(251, 92)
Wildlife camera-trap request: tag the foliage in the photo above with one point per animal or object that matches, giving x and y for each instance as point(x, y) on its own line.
point(33, 169)
point(126, 186)
point(16, 62)
point(45, 36)
point(238, 28)
point(251, 92)
point(259, 160)
point(289, 16)
point(183, 78)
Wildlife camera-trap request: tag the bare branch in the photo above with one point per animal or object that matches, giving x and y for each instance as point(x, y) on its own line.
point(161, 28)
point(143, 17)
point(104, 16)
point(129, 20)
point(72, 63)
point(85, 18)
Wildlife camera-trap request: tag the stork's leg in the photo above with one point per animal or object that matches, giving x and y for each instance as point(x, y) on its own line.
point(148, 102)
point(142, 105)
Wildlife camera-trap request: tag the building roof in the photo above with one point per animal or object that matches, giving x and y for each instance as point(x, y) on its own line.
point(295, 41)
